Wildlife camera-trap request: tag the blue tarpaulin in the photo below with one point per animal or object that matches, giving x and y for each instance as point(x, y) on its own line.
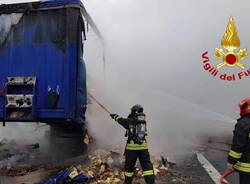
point(68, 176)
point(55, 3)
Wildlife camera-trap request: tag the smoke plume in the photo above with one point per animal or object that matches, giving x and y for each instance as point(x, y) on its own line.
point(153, 57)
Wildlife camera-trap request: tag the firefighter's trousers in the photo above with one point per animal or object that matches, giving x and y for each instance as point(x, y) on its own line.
point(244, 178)
point(147, 167)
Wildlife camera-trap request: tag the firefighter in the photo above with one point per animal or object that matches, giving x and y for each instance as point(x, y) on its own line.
point(137, 146)
point(239, 155)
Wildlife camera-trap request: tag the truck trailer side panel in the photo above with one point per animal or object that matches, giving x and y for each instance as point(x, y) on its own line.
point(47, 44)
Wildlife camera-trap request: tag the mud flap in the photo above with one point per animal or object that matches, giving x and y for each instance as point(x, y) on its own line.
point(51, 99)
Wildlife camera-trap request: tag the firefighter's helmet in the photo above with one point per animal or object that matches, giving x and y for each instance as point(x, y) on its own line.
point(245, 106)
point(137, 109)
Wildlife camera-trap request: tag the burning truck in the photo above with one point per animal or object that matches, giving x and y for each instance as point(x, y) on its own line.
point(43, 74)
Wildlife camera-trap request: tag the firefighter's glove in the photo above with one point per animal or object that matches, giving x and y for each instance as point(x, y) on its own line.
point(113, 116)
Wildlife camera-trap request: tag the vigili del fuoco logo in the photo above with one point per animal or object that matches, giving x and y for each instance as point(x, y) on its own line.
point(229, 56)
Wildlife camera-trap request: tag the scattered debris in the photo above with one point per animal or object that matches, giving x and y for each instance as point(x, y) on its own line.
point(86, 139)
point(103, 167)
point(99, 166)
point(166, 163)
point(17, 114)
point(10, 170)
point(69, 175)
point(34, 146)
point(107, 167)
point(12, 160)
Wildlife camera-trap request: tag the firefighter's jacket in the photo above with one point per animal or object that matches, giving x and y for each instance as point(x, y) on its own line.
point(239, 155)
point(129, 124)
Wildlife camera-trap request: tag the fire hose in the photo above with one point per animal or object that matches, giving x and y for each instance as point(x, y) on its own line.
point(99, 103)
point(226, 174)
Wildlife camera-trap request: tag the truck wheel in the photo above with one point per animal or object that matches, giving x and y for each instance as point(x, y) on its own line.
point(66, 141)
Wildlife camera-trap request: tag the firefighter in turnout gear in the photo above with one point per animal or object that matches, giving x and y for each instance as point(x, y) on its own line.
point(239, 155)
point(137, 146)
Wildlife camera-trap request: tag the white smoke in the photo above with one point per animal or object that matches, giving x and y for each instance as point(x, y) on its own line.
point(6, 23)
point(153, 57)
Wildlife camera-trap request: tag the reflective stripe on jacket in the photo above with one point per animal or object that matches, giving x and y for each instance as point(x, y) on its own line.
point(132, 146)
point(243, 167)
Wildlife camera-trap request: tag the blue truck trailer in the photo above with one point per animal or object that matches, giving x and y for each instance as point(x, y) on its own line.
point(42, 71)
